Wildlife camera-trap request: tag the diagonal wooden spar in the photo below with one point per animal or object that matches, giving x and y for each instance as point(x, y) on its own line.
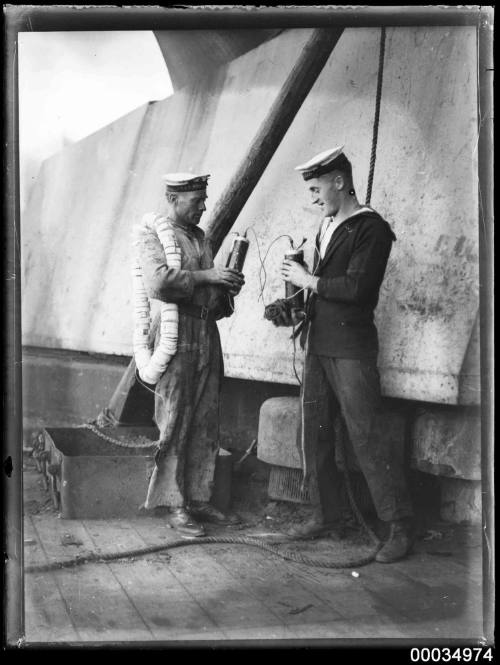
point(295, 89)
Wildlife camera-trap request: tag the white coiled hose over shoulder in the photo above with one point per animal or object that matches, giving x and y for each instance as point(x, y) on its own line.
point(151, 365)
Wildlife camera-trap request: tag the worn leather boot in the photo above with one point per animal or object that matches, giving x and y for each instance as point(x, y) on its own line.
point(316, 526)
point(313, 529)
point(205, 512)
point(180, 520)
point(398, 544)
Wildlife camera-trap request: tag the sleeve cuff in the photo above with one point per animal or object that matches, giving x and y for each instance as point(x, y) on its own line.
point(314, 284)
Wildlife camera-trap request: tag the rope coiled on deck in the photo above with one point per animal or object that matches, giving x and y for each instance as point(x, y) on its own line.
point(289, 555)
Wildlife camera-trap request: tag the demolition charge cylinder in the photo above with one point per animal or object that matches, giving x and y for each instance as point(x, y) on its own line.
point(294, 294)
point(239, 248)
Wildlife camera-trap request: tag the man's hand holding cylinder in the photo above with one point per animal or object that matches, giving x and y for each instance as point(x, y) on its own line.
point(297, 274)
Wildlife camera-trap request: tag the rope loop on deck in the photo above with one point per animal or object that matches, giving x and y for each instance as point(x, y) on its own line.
point(289, 555)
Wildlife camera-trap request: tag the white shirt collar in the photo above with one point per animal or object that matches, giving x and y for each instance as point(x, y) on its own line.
point(329, 220)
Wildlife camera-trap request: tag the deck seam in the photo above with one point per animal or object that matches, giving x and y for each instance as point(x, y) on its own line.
point(211, 619)
point(268, 557)
point(54, 577)
point(119, 583)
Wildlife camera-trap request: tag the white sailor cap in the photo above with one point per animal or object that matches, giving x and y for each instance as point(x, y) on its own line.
point(324, 162)
point(185, 182)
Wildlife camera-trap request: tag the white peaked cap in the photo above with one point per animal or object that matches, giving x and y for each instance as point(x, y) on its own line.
point(322, 163)
point(321, 159)
point(185, 182)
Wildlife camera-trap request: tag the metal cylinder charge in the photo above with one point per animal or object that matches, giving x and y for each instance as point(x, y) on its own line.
point(294, 294)
point(237, 255)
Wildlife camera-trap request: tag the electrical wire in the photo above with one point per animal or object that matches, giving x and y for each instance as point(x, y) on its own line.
point(317, 256)
point(262, 266)
point(294, 357)
point(283, 235)
point(262, 282)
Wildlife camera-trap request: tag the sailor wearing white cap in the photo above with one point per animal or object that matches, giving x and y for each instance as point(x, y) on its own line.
point(185, 182)
point(324, 162)
point(340, 370)
point(187, 394)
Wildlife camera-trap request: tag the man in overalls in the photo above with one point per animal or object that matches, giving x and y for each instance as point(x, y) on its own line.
point(187, 395)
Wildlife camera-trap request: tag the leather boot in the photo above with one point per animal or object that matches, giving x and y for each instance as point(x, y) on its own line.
point(312, 529)
point(398, 544)
point(180, 520)
point(205, 512)
point(315, 527)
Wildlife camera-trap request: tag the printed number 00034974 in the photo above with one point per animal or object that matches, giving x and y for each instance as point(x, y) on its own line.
point(446, 655)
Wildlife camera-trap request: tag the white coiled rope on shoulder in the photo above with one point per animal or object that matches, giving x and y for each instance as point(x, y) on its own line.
point(151, 366)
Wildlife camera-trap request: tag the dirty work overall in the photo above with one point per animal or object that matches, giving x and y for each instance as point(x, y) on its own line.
point(187, 395)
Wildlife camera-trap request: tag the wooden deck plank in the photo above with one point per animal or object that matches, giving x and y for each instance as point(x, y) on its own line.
point(325, 585)
point(45, 613)
point(340, 589)
point(436, 605)
point(240, 593)
point(464, 559)
point(220, 592)
point(430, 569)
point(351, 599)
point(273, 581)
point(165, 606)
point(465, 592)
point(309, 611)
point(100, 610)
point(239, 614)
point(391, 594)
point(402, 594)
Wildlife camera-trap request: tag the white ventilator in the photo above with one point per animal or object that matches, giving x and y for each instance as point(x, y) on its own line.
point(151, 365)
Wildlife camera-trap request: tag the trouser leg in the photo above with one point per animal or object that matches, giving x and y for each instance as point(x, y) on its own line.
point(173, 415)
point(318, 444)
point(203, 445)
point(312, 405)
point(329, 478)
point(356, 385)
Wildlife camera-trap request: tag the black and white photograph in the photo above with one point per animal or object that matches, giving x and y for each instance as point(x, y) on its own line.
point(249, 328)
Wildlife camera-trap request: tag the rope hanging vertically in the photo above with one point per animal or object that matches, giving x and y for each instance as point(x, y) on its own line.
point(377, 116)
